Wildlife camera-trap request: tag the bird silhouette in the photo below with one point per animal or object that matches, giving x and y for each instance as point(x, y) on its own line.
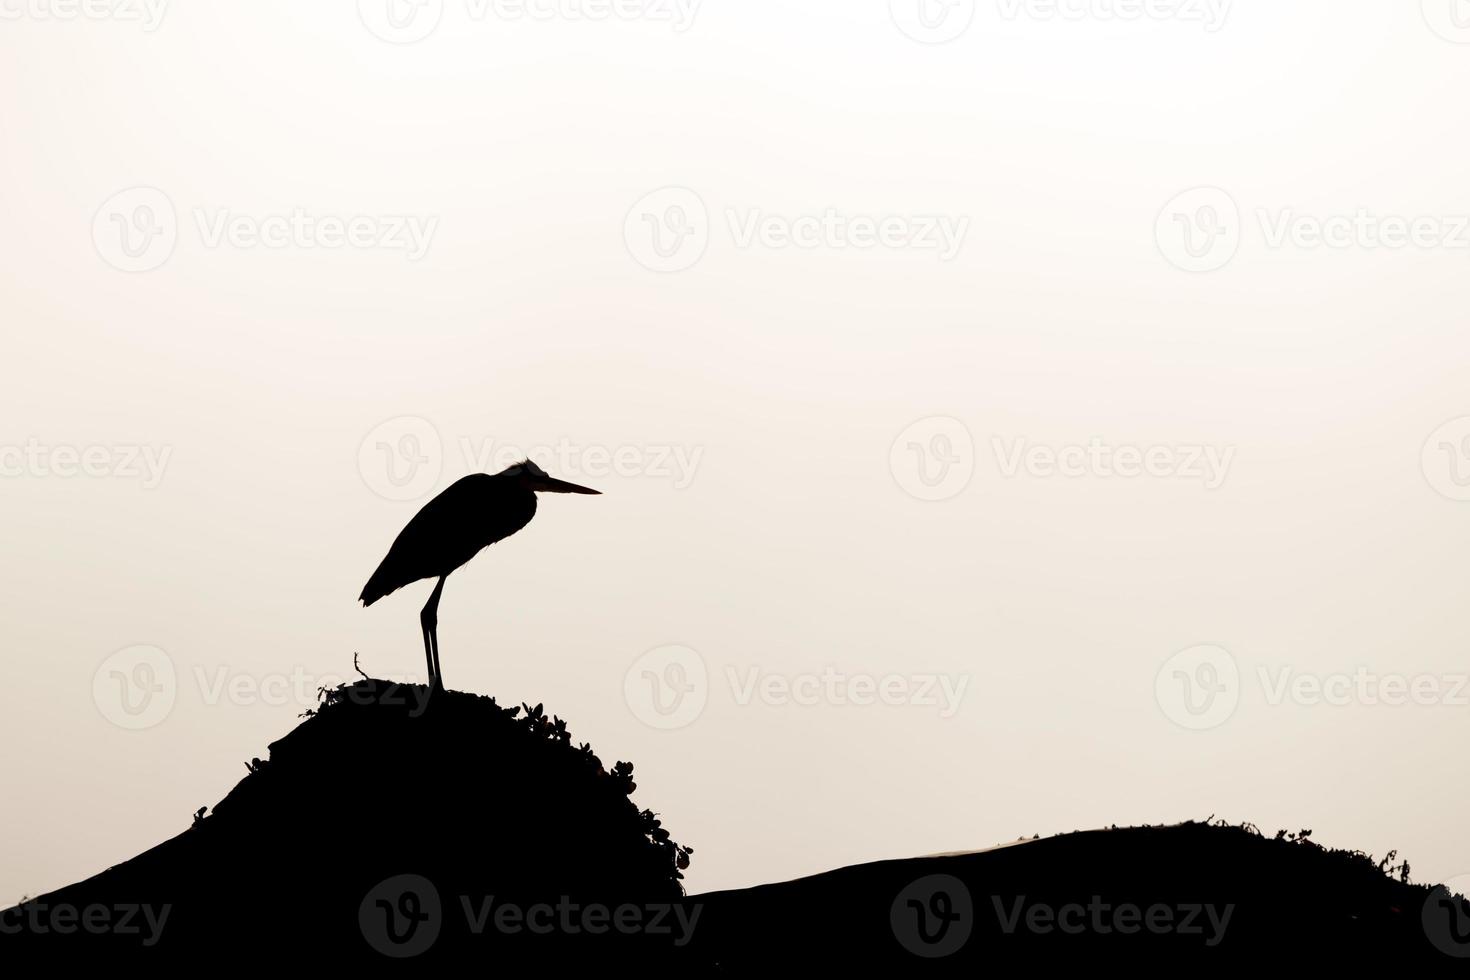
point(473, 512)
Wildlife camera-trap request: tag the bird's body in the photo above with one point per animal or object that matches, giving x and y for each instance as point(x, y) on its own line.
point(470, 515)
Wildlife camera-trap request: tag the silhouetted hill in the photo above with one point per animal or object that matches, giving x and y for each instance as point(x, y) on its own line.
point(396, 828)
point(392, 821)
point(1195, 895)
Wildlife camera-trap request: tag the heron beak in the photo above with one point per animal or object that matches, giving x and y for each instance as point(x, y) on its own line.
point(553, 485)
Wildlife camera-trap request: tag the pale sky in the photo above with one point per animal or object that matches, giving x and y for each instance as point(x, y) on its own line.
point(1012, 418)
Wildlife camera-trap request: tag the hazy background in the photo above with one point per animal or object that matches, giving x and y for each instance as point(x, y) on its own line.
point(800, 541)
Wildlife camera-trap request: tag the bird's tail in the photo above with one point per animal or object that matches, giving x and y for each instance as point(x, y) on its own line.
point(376, 588)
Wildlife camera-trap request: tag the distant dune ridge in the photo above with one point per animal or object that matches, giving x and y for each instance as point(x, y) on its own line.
point(1193, 895)
point(399, 827)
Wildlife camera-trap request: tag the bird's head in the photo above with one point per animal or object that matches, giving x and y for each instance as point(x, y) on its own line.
point(537, 480)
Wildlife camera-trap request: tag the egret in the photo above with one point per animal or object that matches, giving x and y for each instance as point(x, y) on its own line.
point(473, 512)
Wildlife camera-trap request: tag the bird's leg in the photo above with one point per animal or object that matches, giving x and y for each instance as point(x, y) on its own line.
point(438, 672)
point(428, 646)
point(430, 619)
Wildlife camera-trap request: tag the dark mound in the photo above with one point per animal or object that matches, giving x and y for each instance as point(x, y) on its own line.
point(393, 822)
point(400, 829)
point(1196, 895)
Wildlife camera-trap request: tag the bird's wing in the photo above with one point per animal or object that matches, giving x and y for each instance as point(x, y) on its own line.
point(430, 545)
